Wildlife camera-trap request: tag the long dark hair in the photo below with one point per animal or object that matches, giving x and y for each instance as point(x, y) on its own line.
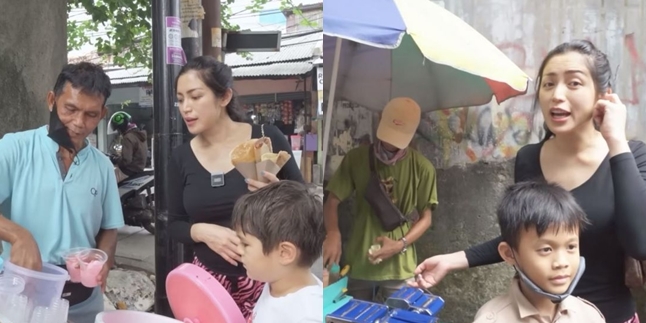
point(598, 65)
point(218, 77)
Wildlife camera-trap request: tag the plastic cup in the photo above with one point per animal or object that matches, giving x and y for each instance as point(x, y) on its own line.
point(72, 263)
point(58, 310)
point(91, 261)
point(11, 285)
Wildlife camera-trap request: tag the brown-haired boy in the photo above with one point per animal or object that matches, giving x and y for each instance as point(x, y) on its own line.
point(281, 230)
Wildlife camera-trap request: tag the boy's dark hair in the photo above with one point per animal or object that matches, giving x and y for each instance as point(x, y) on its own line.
point(283, 212)
point(88, 77)
point(537, 205)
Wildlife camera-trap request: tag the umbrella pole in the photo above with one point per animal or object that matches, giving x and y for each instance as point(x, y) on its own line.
point(330, 103)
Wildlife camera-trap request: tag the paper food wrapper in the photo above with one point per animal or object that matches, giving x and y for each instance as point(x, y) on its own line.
point(253, 157)
point(254, 170)
point(266, 166)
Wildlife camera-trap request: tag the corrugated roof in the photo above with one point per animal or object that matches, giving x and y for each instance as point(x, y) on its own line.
point(276, 69)
point(295, 58)
point(292, 49)
point(128, 76)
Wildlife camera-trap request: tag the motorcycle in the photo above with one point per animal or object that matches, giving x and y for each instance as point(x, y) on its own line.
point(136, 192)
point(138, 200)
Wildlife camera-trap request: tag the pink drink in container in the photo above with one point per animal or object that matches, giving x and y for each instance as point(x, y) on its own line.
point(91, 261)
point(72, 263)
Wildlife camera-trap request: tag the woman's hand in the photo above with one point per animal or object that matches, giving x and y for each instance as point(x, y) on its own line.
point(432, 270)
point(254, 185)
point(610, 116)
point(223, 241)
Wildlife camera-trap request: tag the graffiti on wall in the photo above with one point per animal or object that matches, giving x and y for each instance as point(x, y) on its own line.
point(484, 133)
point(352, 126)
point(489, 132)
point(635, 94)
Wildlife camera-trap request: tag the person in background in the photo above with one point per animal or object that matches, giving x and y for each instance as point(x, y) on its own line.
point(540, 225)
point(204, 185)
point(281, 231)
point(585, 150)
point(411, 183)
point(57, 191)
point(134, 147)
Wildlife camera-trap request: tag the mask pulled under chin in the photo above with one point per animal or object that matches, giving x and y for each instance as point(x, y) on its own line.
point(555, 298)
point(58, 131)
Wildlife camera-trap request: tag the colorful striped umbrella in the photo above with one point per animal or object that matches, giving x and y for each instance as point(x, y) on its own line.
point(413, 48)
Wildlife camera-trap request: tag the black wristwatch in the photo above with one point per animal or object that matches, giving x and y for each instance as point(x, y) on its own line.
point(403, 239)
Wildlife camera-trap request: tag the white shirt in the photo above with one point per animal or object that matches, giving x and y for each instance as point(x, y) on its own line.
point(302, 306)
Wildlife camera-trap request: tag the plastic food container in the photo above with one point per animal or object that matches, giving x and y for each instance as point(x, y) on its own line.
point(42, 287)
point(194, 296)
point(132, 317)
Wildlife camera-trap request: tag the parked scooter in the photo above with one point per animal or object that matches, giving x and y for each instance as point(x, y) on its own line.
point(138, 200)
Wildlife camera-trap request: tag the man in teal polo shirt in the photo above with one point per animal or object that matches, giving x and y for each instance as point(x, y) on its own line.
point(58, 192)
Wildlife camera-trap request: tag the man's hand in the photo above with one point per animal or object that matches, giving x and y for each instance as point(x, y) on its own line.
point(25, 252)
point(332, 249)
point(389, 248)
point(106, 240)
point(102, 278)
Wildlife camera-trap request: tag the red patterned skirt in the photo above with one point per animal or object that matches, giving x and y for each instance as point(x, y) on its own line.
point(244, 290)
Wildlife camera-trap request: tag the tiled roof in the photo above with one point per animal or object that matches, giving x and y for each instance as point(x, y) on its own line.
point(276, 69)
point(127, 76)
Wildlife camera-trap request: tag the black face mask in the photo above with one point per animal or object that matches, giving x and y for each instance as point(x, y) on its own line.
point(58, 131)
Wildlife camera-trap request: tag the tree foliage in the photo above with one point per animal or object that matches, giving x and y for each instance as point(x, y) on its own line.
point(122, 29)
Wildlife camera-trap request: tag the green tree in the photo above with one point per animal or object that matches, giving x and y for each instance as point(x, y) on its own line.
point(128, 28)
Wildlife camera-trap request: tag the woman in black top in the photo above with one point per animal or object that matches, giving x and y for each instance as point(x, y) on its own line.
point(585, 151)
point(204, 185)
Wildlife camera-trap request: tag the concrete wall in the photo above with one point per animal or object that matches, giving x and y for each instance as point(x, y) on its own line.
point(473, 147)
point(32, 52)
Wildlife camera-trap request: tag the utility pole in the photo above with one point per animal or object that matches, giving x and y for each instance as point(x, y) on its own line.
point(168, 58)
point(212, 29)
point(192, 14)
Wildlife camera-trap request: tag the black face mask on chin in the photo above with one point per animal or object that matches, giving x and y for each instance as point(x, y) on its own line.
point(58, 131)
point(555, 298)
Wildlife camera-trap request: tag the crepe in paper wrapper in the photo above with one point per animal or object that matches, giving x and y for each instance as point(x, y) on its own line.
point(253, 157)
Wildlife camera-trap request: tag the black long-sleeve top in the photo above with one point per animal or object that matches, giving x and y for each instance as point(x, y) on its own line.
point(614, 199)
point(192, 199)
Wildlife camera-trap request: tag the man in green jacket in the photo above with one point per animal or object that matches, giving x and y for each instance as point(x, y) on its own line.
point(410, 180)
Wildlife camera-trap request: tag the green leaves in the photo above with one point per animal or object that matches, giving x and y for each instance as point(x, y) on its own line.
point(121, 30)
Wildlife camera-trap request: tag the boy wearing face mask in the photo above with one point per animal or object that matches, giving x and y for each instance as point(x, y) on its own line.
point(540, 225)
